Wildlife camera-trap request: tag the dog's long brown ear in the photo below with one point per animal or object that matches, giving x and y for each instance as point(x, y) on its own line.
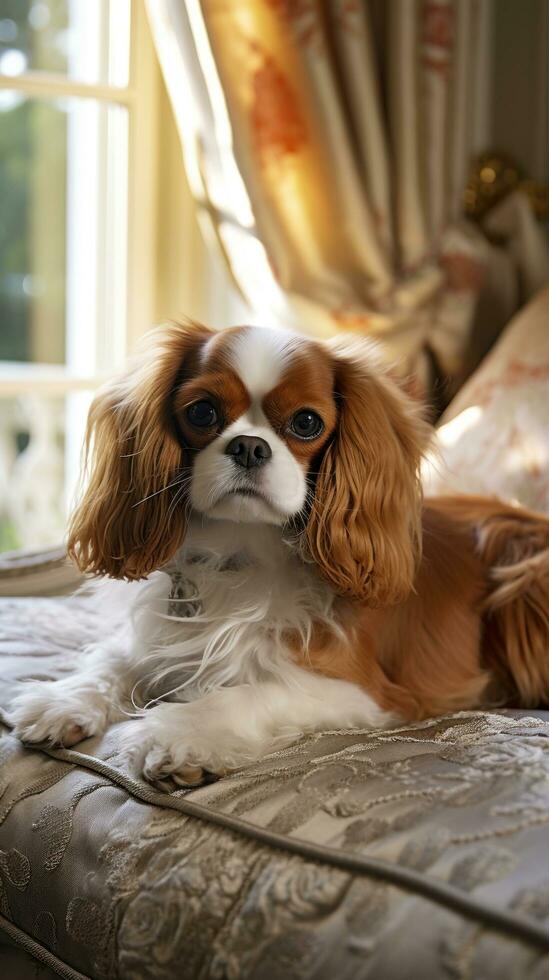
point(131, 520)
point(364, 529)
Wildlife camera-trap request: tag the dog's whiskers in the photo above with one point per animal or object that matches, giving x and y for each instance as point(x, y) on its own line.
point(169, 486)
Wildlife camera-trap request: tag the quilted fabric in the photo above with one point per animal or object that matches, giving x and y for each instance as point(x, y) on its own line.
point(420, 852)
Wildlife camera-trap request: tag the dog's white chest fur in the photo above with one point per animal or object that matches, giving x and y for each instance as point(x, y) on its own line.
point(236, 592)
point(218, 680)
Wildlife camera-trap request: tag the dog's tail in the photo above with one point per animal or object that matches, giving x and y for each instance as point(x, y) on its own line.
point(514, 544)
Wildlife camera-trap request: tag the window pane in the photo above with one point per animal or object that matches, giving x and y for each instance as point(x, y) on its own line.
point(33, 139)
point(63, 186)
point(87, 40)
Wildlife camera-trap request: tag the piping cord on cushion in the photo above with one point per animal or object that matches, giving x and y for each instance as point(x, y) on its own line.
point(39, 952)
point(432, 889)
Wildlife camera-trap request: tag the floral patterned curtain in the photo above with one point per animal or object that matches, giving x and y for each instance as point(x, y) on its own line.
point(327, 143)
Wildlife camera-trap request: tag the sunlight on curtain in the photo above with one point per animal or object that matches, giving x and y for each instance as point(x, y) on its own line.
point(328, 144)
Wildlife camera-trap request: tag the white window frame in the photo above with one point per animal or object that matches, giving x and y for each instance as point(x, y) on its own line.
point(140, 98)
point(95, 353)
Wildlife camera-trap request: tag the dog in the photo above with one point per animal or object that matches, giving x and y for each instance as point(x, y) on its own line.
point(257, 493)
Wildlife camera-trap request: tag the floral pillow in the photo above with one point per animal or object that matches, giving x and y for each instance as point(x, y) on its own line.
point(494, 437)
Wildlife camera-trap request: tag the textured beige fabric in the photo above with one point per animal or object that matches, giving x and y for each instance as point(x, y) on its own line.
point(420, 852)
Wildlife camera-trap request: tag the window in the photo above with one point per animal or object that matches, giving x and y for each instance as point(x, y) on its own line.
point(77, 114)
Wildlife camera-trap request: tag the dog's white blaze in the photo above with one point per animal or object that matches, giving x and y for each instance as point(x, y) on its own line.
point(260, 355)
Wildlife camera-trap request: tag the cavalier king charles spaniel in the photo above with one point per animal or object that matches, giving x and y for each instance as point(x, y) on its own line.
point(266, 488)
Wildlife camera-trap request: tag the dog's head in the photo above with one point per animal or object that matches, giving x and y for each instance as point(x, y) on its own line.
point(256, 426)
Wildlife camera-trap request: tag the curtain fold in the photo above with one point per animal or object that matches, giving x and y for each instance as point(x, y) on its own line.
point(327, 143)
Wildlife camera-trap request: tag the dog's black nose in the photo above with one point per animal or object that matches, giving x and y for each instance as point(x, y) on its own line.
point(248, 451)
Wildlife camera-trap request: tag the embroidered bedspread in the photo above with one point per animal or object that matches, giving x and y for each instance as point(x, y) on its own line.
point(420, 852)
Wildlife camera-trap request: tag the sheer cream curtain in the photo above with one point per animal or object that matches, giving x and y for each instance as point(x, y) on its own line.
point(327, 146)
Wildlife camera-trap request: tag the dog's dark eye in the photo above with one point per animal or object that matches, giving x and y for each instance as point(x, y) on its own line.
point(306, 424)
point(202, 414)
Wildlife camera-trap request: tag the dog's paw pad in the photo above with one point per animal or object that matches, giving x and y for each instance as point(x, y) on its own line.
point(71, 735)
point(189, 775)
point(62, 735)
point(51, 712)
point(162, 772)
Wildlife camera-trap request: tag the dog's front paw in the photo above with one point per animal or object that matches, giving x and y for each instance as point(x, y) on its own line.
point(173, 767)
point(177, 746)
point(59, 712)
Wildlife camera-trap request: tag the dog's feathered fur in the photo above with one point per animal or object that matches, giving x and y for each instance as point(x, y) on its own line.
point(323, 591)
